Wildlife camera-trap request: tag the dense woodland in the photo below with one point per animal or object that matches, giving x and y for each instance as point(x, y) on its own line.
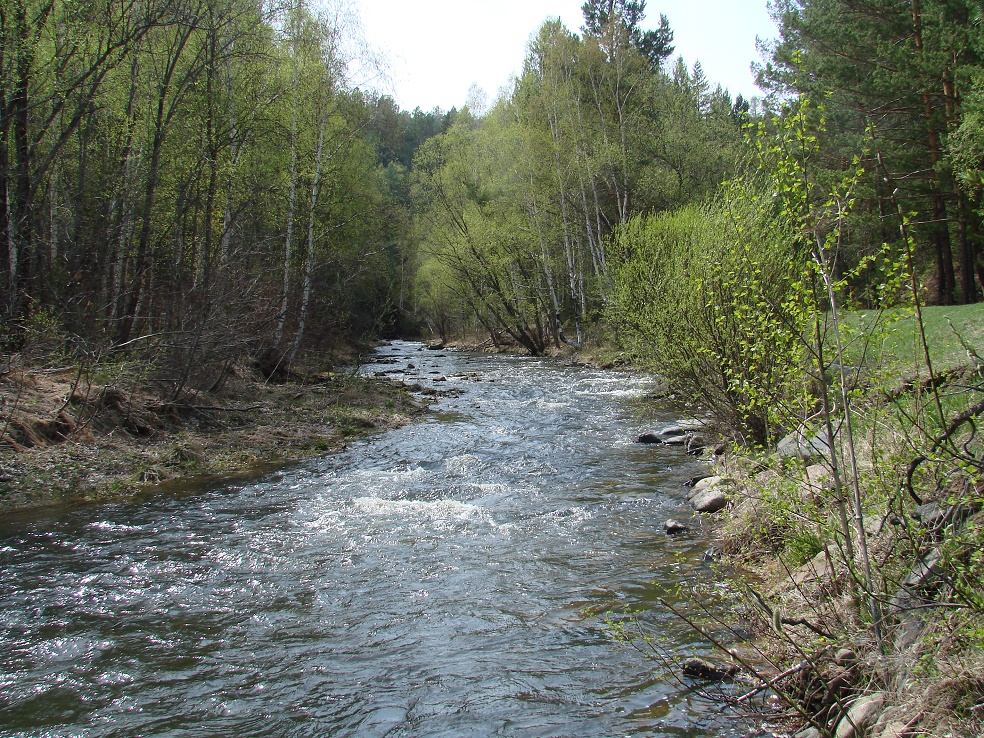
point(210, 179)
point(200, 181)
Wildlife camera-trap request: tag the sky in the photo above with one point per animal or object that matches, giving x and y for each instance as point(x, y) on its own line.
point(435, 50)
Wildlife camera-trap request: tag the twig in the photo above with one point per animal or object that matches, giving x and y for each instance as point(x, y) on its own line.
point(770, 683)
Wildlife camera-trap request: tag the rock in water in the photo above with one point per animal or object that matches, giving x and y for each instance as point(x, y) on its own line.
point(672, 527)
point(699, 668)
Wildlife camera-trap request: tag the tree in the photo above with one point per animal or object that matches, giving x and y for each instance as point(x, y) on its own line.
point(655, 45)
point(898, 71)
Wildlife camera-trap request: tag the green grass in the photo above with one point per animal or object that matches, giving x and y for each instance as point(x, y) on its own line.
point(891, 339)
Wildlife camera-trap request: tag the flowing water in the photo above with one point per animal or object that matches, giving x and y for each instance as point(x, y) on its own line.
point(449, 578)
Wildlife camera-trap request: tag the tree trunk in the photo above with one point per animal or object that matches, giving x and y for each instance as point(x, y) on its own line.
point(309, 262)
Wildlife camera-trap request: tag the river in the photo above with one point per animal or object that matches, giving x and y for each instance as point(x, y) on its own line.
point(449, 578)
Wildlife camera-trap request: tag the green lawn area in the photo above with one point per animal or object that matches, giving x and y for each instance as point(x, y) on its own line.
point(891, 339)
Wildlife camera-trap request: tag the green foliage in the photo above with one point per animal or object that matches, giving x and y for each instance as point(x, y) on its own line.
point(201, 171)
point(706, 294)
point(515, 207)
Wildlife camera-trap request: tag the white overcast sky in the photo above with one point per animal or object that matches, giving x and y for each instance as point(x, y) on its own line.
point(436, 49)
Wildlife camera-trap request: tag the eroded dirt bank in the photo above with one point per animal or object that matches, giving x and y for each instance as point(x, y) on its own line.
point(69, 435)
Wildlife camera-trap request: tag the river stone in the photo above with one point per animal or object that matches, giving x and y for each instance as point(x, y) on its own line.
point(710, 500)
point(699, 668)
point(705, 483)
point(675, 440)
point(845, 657)
point(672, 527)
point(672, 431)
point(861, 716)
point(808, 733)
point(649, 438)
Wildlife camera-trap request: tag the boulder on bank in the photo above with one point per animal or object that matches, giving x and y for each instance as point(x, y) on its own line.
point(710, 500)
point(804, 446)
point(702, 484)
point(710, 494)
point(861, 716)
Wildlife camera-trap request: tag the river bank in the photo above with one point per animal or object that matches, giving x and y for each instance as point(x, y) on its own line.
point(80, 434)
point(862, 613)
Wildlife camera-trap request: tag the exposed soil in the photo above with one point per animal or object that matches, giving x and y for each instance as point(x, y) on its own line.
point(71, 436)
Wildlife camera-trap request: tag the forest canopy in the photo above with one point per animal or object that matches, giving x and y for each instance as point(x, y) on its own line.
point(209, 172)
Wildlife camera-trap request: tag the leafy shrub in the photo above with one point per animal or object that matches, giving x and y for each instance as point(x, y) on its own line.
point(708, 295)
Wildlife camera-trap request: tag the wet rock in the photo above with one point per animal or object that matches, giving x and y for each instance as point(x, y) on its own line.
point(671, 431)
point(649, 438)
point(436, 345)
point(675, 440)
point(861, 716)
point(698, 668)
point(673, 527)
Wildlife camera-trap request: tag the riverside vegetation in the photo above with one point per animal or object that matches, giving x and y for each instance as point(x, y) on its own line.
point(201, 201)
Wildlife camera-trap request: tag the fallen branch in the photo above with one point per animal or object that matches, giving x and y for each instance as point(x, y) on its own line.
point(966, 416)
point(205, 408)
point(770, 683)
